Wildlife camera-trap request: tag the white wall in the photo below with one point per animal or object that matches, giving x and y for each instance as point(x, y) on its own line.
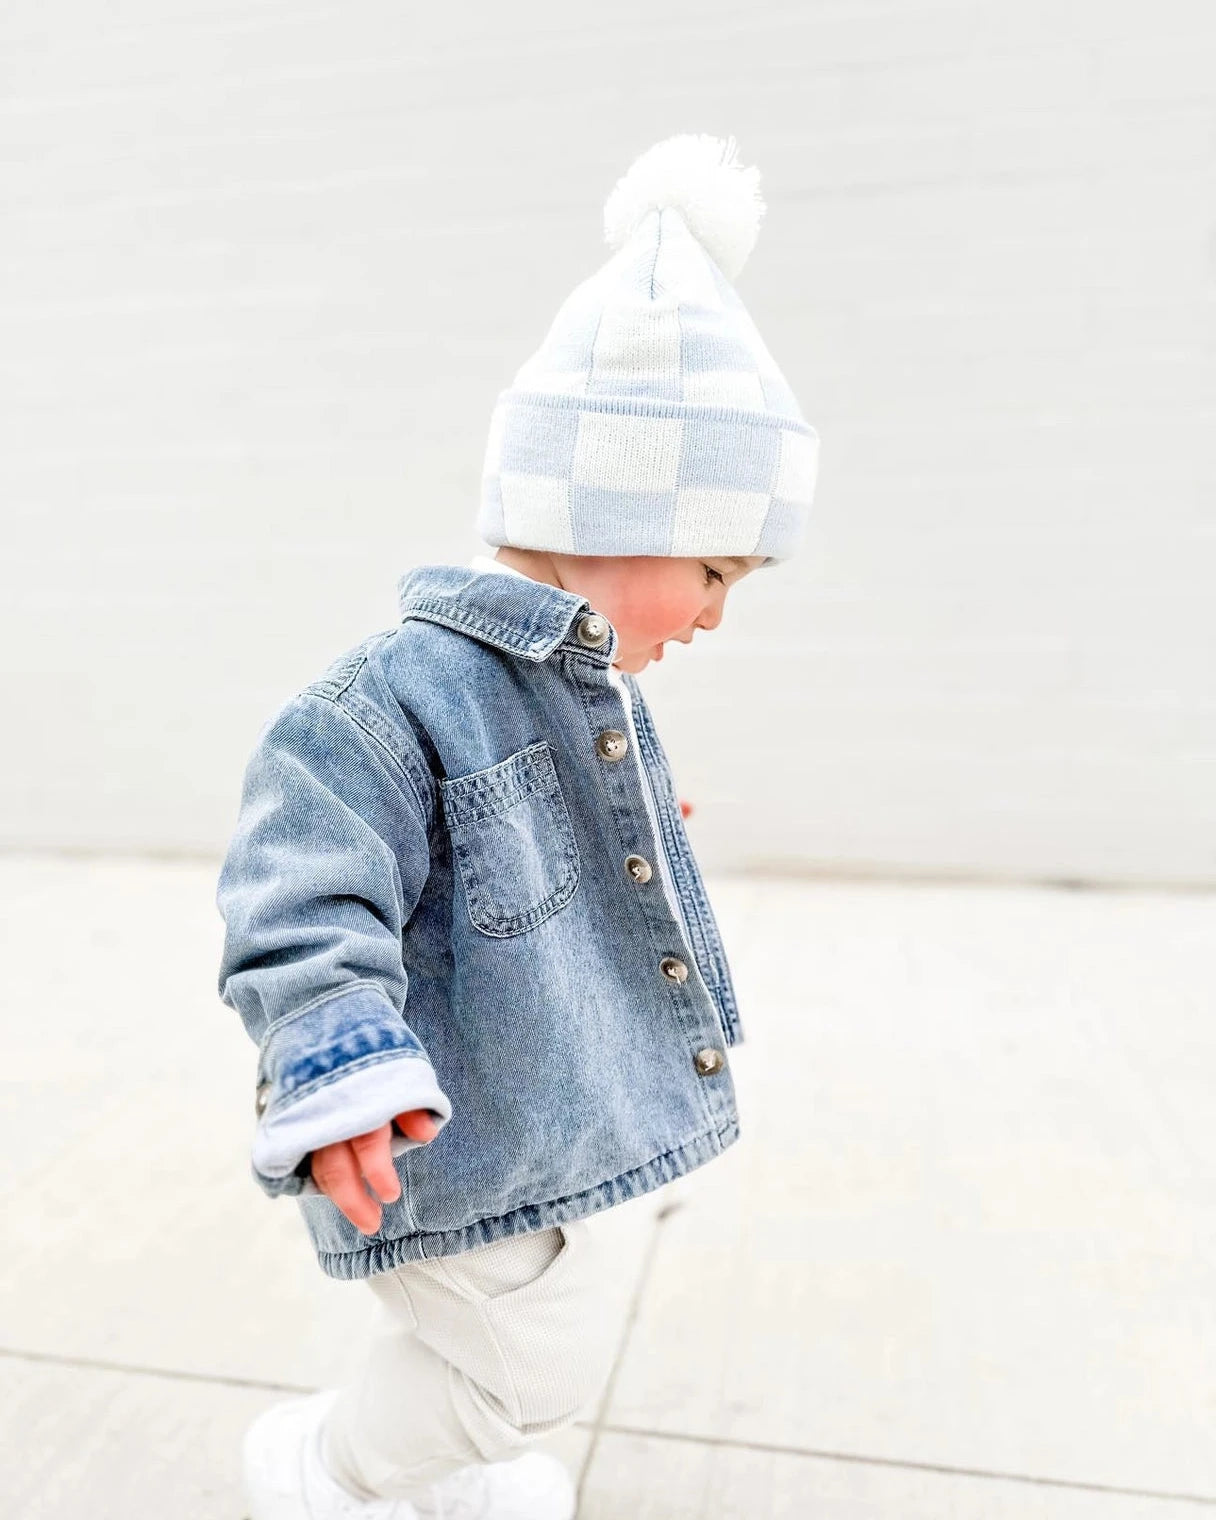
point(265, 268)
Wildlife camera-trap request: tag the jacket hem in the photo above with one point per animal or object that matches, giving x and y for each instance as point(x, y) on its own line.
point(383, 1256)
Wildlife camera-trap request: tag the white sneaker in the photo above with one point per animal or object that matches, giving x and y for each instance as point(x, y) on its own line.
point(533, 1487)
point(285, 1478)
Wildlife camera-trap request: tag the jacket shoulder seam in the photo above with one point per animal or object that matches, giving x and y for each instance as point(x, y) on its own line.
point(365, 717)
point(342, 671)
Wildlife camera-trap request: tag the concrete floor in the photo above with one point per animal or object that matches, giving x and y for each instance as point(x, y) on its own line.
point(962, 1263)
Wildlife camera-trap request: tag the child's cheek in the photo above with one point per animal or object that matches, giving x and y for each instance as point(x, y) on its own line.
point(649, 617)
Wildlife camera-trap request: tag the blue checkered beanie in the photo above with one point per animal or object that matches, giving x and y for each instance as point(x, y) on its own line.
point(652, 419)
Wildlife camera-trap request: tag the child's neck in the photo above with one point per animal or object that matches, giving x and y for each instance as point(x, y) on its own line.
point(531, 562)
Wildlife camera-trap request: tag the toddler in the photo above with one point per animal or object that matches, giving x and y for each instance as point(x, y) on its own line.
point(463, 923)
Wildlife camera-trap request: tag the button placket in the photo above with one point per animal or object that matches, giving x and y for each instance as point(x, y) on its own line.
point(612, 745)
point(698, 928)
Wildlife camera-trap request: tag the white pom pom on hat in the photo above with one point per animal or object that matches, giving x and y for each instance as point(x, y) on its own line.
point(700, 177)
point(652, 419)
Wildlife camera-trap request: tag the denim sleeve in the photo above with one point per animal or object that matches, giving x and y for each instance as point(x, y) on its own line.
point(328, 860)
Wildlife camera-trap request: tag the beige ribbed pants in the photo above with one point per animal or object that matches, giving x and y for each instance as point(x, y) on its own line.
point(481, 1354)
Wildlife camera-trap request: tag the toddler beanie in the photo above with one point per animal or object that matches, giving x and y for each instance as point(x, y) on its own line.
point(652, 419)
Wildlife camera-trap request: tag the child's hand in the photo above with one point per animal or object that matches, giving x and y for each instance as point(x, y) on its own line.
point(685, 807)
point(339, 1169)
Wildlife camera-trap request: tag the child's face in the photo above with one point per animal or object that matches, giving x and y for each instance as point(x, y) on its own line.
point(651, 600)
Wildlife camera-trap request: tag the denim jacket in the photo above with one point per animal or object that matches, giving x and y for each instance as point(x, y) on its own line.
point(450, 887)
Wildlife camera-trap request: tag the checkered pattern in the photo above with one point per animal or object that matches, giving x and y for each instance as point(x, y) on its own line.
point(652, 420)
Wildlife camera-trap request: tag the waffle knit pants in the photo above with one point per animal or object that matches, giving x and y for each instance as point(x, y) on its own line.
point(479, 1355)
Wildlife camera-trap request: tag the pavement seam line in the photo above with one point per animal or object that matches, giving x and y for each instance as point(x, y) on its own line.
point(662, 1214)
point(994, 1475)
point(599, 1426)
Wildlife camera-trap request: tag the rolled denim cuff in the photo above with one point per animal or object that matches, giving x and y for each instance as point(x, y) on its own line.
point(338, 1067)
point(355, 1105)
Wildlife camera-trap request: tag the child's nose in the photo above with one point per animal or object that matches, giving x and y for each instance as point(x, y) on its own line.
point(710, 618)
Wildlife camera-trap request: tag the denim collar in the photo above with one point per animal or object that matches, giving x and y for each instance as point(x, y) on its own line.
point(512, 612)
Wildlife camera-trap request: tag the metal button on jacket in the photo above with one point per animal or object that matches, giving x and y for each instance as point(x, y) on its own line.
point(612, 744)
point(261, 1099)
point(638, 867)
point(593, 630)
point(671, 966)
point(708, 1061)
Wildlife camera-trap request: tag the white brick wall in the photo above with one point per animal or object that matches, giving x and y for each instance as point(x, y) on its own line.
point(266, 267)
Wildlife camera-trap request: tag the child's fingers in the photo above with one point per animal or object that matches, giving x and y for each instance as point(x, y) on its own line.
point(374, 1156)
point(418, 1124)
point(336, 1171)
point(339, 1170)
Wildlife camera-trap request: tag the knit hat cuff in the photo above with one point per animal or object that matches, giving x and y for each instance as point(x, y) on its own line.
point(620, 475)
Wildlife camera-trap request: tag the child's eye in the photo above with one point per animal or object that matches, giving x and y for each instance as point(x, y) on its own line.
point(709, 570)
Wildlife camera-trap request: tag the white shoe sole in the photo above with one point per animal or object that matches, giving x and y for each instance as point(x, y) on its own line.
point(272, 1455)
point(277, 1465)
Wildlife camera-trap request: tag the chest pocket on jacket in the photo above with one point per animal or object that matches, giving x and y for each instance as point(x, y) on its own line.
point(512, 841)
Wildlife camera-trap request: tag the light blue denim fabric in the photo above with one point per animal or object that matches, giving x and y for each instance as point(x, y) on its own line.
point(427, 905)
